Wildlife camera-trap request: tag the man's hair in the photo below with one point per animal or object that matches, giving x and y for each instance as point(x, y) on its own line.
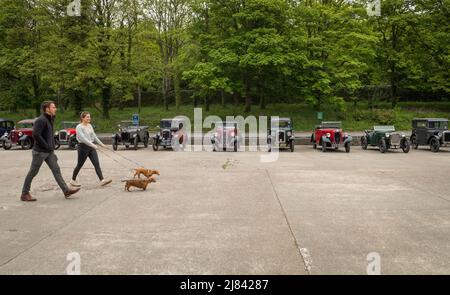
point(46, 104)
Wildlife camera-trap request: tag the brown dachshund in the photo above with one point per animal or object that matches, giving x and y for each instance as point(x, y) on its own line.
point(139, 183)
point(146, 172)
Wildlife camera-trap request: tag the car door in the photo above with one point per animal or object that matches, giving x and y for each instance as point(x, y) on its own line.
point(422, 132)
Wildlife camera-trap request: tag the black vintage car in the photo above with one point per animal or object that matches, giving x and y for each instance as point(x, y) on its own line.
point(130, 135)
point(430, 131)
point(170, 135)
point(5, 128)
point(281, 133)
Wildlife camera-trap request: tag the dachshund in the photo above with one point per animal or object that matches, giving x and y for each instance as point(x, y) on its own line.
point(146, 172)
point(139, 183)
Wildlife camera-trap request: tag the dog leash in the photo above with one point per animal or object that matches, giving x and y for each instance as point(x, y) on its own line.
point(123, 157)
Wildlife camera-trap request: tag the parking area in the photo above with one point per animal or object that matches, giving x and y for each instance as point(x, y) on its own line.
point(229, 213)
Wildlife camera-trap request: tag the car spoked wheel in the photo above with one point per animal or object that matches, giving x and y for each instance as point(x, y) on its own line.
point(235, 146)
point(383, 146)
point(115, 145)
point(435, 145)
point(155, 145)
point(146, 140)
point(7, 145)
point(414, 143)
point(73, 144)
point(405, 146)
point(57, 144)
point(26, 144)
point(136, 143)
point(364, 143)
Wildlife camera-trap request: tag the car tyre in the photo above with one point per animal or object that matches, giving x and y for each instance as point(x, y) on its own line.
point(292, 146)
point(26, 144)
point(115, 145)
point(73, 144)
point(435, 145)
point(155, 145)
point(347, 147)
point(57, 144)
point(136, 143)
point(324, 147)
point(7, 145)
point(406, 146)
point(364, 142)
point(146, 140)
point(383, 146)
point(414, 143)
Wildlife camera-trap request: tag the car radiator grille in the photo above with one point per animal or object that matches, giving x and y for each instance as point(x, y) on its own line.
point(281, 136)
point(63, 136)
point(166, 134)
point(337, 137)
point(447, 136)
point(395, 139)
point(125, 136)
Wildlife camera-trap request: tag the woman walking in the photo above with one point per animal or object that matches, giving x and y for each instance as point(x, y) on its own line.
point(88, 144)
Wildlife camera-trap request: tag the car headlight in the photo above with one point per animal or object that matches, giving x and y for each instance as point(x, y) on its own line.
point(289, 133)
point(56, 133)
point(440, 134)
point(328, 134)
point(345, 134)
point(20, 134)
point(403, 135)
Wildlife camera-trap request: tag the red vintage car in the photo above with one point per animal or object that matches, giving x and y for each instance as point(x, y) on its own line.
point(329, 135)
point(21, 135)
point(67, 135)
point(226, 136)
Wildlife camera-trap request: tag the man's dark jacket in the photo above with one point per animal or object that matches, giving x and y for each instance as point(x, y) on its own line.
point(44, 140)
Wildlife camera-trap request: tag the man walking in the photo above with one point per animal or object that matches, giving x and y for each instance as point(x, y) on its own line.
point(44, 150)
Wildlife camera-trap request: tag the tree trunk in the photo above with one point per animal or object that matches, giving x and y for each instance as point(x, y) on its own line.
point(176, 85)
point(78, 102)
point(222, 94)
point(248, 98)
point(106, 98)
point(206, 103)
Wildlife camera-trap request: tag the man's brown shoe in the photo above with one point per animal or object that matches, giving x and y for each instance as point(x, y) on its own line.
point(27, 198)
point(71, 192)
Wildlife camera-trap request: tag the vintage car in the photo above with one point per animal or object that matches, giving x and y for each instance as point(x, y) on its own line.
point(330, 135)
point(430, 131)
point(281, 133)
point(21, 135)
point(226, 136)
point(5, 128)
point(385, 138)
point(170, 135)
point(67, 135)
point(130, 135)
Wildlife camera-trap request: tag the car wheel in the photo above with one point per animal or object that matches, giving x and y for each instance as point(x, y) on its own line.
point(26, 144)
point(155, 145)
point(57, 144)
point(146, 139)
point(414, 143)
point(405, 145)
point(115, 145)
point(383, 146)
point(127, 146)
point(435, 145)
point(314, 145)
point(364, 142)
point(235, 146)
point(7, 145)
point(347, 147)
point(136, 143)
point(292, 146)
point(73, 144)
point(324, 147)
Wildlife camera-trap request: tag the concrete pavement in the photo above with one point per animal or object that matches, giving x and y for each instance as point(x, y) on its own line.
point(228, 213)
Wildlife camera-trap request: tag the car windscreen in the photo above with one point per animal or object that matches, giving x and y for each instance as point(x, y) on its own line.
point(166, 124)
point(6, 124)
point(25, 125)
point(66, 125)
point(438, 125)
point(282, 124)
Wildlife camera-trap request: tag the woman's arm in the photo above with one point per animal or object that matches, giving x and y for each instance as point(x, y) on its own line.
point(96, 139)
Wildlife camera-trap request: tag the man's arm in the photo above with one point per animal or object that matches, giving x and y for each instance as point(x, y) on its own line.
point(38, 129)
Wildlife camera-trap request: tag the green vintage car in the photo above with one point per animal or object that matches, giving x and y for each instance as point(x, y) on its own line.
point(385, 138)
